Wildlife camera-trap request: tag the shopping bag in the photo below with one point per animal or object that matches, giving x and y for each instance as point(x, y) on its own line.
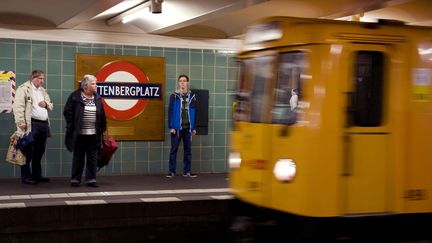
point(14, 155)
point(109, 146)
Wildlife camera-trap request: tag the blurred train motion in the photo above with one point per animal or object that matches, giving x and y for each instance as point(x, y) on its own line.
point(333, 120)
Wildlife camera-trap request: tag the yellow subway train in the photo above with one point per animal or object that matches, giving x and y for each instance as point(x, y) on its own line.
point(333, 119)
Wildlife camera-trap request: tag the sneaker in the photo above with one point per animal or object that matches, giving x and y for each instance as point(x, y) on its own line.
point(188, 174)
point(171, 174)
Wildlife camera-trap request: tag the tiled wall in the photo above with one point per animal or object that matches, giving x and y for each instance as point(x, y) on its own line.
point(207, 69)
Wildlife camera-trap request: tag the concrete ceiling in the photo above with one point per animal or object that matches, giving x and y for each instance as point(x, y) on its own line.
point(215, 19)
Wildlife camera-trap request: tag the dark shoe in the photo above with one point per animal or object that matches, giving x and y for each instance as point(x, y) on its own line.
point(75, 184)
point(170, 175)
point(29, 181)
point(42, 179)
point(92, 184)
point(188, 174)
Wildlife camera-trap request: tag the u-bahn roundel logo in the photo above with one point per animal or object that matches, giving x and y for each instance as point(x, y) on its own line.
point(122, 106)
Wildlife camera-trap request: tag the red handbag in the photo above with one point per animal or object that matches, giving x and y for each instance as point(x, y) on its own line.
point(109, 146)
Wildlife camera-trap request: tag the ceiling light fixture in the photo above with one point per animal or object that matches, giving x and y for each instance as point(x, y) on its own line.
point(153, 6)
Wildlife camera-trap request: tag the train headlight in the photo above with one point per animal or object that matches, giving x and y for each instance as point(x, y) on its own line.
point(234, 160)
point(285, 170)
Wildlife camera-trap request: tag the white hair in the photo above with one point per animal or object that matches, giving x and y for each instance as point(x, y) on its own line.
point(88, 78)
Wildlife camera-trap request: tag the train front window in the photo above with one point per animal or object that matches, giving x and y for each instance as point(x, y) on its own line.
point(252, 97)
point(288, 89)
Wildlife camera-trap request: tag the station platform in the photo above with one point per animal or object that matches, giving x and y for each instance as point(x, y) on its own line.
point(113, 189)
point(126, 208)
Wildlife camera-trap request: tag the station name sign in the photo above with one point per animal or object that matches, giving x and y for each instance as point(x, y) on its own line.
point(115, 90)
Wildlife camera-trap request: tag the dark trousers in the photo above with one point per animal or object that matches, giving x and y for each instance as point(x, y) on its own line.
point(186, 136)
point(32, 168)
point(85, 146)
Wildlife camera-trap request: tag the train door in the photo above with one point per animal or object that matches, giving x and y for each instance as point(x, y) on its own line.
point(366, 133)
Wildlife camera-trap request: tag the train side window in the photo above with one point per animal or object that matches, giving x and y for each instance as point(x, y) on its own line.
point(367, 97)
point(288, 90)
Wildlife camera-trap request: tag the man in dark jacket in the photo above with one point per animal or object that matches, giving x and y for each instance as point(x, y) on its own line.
point(85, 124)
point(181, 122)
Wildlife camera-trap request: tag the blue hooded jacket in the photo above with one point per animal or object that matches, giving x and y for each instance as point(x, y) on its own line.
point(174, 110)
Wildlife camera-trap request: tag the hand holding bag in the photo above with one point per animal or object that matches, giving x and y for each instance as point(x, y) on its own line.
point(14, 155)
point(25, 142)
point(109, 146)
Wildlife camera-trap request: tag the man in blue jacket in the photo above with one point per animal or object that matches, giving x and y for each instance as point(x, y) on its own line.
point(181, 122)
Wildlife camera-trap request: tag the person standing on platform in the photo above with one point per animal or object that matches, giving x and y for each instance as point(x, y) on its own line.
point(181, 123)
point(85, 125)
point(31, 107)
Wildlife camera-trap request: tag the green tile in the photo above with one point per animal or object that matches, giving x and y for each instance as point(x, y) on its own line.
point(207, 153)
point(23, 51)
point(21, 78)
point(196, 73)
point(155, 154)
point(54, 67)
point(7, 40)
point(219, 127)
point(142, 154)
point(170, 57)
point(128, 155)
point(98, 51)
point(196, 59)
point(156, 53)
point(85, 50)
point(53, 156)
point(221, 60)
point(6, 169)
point(38, 64)
point(68, 82)
point(208, 59)
point(142, 167)
point(171, 72)
point(69, 53)
point(130, 52)
point(56, 125)
point(221, 73)
point(143, 51)
point(220, 113)
point(23, 66)
point(54, 53)
point(7, 50)
point(182, 69)
point(220, 100)
point(53, 82)
point(219, 140)
point(110, 51)
point(95, 45)
point(129, 167)
point(39, 52)
point(23, 42)
point(209, 73)
point(7, 64)
point(183, 58)
point(206, 166)
point(220, 87)
point(219, 166)
point(54, 43)
point(155, 167)
point(68, 68)
point(207, 84)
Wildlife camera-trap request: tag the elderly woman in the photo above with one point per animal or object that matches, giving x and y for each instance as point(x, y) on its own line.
point(85, 124)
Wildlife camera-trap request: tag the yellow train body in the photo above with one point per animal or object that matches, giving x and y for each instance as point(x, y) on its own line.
point(360, 142)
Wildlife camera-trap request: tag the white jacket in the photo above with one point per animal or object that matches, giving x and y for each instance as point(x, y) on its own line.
point(22, 106)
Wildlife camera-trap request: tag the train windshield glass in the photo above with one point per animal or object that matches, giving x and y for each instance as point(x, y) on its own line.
point(288, 90)
point(254, 89)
